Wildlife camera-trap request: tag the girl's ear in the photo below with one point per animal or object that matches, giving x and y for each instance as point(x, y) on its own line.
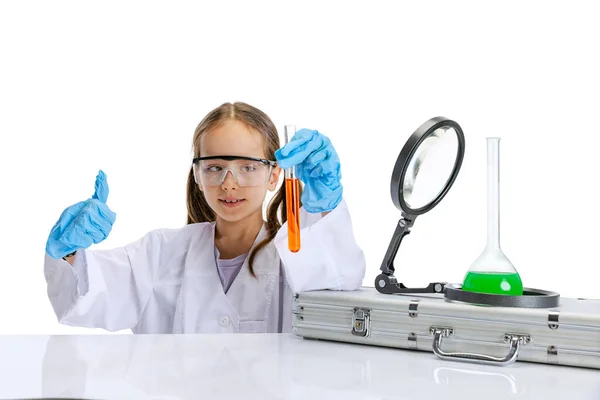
point(274, 178)
point(199, 185)
point(196, 179)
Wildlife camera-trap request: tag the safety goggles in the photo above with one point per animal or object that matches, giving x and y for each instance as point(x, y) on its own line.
point(247, 171)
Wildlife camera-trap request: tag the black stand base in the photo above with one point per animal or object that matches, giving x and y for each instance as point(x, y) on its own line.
point(387, 284)
point(531, 298)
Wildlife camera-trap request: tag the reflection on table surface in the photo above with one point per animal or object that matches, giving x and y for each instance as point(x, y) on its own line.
point(263, 367)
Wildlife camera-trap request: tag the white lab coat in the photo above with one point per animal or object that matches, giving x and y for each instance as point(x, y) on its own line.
point(167, 282)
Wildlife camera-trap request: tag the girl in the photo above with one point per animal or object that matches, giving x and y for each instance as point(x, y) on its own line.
point(227, 270)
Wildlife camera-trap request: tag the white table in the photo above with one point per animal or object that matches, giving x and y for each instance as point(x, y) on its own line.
point(263, 367)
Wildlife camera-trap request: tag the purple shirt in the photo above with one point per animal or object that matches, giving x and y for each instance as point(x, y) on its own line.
point(228, 269)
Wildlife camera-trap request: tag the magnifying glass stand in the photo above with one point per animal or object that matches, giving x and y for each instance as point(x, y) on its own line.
point(386, 281)
point(408, 168)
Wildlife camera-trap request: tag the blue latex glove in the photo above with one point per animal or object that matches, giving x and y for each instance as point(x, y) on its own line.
point(318, 166)
point(83, 224)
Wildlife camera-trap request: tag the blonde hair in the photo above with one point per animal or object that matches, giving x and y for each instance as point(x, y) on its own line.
point(197, 207)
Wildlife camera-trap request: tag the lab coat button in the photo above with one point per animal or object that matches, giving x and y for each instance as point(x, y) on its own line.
point(224, 320)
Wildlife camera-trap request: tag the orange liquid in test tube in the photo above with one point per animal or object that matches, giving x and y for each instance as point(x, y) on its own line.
point(292, 198)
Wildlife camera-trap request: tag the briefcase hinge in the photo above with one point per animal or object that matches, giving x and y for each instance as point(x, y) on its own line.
point(413, 308)
point(361, 322)
point(553, 319)
point(412, 340)
point(552, 354)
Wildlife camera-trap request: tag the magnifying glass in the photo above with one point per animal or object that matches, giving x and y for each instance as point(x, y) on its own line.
point(424, 172)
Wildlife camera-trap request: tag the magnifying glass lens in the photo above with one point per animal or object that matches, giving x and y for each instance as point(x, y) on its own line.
point(430, 168)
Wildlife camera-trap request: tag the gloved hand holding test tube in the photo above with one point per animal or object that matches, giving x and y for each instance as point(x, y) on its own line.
point(308, 156)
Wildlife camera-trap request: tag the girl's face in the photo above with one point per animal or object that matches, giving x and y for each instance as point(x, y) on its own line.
point(232, 200)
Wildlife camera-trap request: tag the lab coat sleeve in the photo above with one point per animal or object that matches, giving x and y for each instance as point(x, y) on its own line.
point(329, 256)
point(106, 289)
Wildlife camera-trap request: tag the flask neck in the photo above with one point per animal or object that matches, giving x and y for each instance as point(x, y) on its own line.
point(493, 193)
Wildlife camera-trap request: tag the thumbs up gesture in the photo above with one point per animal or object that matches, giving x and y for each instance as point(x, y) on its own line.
point(83, 224)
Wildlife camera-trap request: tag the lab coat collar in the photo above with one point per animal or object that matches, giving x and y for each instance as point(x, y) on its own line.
point(259, 268)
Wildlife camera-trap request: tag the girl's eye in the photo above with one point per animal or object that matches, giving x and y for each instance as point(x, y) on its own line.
point(248, 168)
point(213, 168)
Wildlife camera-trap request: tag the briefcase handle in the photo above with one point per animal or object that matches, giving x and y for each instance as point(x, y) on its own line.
point(514, 339)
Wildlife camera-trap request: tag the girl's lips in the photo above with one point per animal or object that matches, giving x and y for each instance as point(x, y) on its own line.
point(231, 204)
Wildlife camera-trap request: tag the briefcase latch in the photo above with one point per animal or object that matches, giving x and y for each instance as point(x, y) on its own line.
point(361, 322)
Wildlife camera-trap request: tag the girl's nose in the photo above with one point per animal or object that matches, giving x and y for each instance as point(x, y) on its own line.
point(229, 181)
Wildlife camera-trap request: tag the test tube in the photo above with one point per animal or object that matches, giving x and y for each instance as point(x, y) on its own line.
point(292, 197)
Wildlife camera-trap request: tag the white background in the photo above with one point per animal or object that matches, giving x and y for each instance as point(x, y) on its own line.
point(121, 86)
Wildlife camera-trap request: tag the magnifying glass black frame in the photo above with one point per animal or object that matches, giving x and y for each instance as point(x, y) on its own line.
point(386, 281)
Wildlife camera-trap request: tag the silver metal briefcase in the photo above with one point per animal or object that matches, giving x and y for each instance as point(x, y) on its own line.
point(565, 335)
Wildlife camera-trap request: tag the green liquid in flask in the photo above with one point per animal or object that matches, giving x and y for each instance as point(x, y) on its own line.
point(493, 282)
point(492, 272)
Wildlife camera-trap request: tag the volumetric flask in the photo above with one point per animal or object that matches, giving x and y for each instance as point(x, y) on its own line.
point(492, 272)
point(292, 198)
